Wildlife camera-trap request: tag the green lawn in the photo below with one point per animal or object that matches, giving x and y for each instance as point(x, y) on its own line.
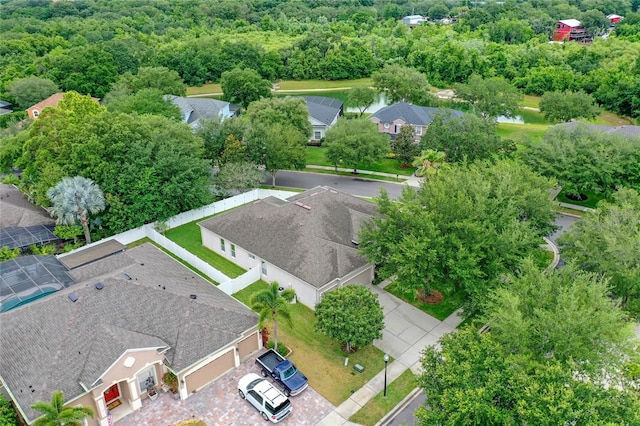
point(322, 84)
point(591, 201)
point(319, 357)
point(189, 237)
point(530, 101)
point(316, 156)
point(380, 405)
point(452, 300)
point(522, 132)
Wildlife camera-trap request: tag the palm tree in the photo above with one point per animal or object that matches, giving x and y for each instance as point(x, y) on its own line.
point(429, 162)
point(272, 304)
point(56, 414)
point(73, 199)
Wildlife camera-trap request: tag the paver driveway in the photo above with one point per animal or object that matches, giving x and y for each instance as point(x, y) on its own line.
point(219, 404)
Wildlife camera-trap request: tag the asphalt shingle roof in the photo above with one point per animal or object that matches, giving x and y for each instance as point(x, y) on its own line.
point(197, 109)
point(16, 210)
point(313, 243)
point(56, 344)
point(412, 114)
point(323, 109)
point(624, 130)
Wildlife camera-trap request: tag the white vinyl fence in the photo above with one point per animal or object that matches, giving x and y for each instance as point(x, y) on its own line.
point(226, 284)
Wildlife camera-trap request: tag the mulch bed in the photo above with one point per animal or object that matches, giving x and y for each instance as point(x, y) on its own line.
point(433, 298)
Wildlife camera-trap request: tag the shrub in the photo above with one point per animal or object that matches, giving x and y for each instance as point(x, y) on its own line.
point(8, 415)
point(282, 348)
point(6, 253)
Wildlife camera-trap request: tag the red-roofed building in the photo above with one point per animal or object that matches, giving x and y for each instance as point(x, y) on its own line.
point(614, 19)
point(52, 101)
point(570, 30)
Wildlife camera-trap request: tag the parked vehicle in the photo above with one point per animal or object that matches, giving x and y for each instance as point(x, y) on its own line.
point(283, 371)
point(266, 398)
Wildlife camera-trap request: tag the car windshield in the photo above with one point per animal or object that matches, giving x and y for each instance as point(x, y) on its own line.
point(288, 372)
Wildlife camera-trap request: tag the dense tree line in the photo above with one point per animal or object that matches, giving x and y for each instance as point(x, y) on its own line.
point(85, 45)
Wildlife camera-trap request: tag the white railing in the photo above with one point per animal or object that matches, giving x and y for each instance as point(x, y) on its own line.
point(226, 284)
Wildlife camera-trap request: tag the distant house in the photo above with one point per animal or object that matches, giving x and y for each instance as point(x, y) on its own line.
point(196, 109)
point(414, 20)
point(392, 118)
point(308, 242)
point(52, 101)
point(323, 113)
point(570, 30)
point(614, 19)
point(625, 130)
point(5, 107)
point(108, 338)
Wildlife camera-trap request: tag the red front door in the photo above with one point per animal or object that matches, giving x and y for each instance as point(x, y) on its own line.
point(112, 393)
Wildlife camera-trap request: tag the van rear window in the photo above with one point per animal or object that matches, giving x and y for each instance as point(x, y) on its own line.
point(275, 410)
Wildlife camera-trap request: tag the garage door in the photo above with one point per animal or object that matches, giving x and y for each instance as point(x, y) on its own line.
point(248, 346)
point(210, 372)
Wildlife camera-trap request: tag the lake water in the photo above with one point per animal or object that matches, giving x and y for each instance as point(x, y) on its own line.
point(513, 120)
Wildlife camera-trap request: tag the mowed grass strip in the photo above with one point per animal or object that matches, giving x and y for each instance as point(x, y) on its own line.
point(452, 300)
point(521, 133)
point(380, 405)
point(316, 156)
point(320, 357)
point(285, 85)
point(188, 236)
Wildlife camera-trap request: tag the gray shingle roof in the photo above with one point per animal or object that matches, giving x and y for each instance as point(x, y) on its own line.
point(412, 114)
point(196, 109)
point(54, 343)
point(624, 130)
point(313, 244)
point(323, 109)
point(16, 210)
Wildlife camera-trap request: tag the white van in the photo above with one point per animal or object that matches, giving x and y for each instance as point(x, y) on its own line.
point(265, 397)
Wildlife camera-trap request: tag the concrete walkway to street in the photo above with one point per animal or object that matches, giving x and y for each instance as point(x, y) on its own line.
point(409, 180)
point(407, 332)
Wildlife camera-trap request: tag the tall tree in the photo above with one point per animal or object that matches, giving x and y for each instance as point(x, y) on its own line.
point(272, 304)
point(168, 82)
point(355, 142)
point(237, 177)
point(361, 98)
point(350, 314)
point(491, 97)
point(523, 316)
point(566, 106)
point(144, 101)
point(400, 83)
point(607, 242)
point(429, 162)
point(73, 199)
point(404, 146)
point(215, 132)
point(467, 138)
point(243, 86)
point(28, 91)
point(56, 414)
point(474, 380)
point(465, 229)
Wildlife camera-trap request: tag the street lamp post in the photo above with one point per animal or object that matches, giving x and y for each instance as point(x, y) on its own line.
point(386, 361)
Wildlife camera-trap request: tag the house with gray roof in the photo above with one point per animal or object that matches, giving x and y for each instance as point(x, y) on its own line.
point(626, 130)
point(196, 109)
point(323, 113)
point(107, 340)
point(392, 118)
point(308, 242)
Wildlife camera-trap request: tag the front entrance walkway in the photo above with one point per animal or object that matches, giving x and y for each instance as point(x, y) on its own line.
point(407, 332)
point(219, 404)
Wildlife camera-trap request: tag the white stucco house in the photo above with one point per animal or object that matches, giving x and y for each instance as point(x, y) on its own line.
point(308, 242)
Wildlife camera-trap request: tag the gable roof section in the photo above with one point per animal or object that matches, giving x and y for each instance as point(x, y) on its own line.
point(323, 109)
point(196, 109)
point(411, 114)
point(573, 23)
point(16, 210)
point(54, 343)
point(309, 237)
point(51, 101)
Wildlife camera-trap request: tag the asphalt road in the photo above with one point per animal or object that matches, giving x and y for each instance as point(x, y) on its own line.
point(405, 417)
point(351, 185)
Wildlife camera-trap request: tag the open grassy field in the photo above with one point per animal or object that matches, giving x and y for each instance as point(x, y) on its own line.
point(380, 405)
point(522, 132)
point(320, 357)
point(293, 86)
point(530, 101)
point(591, 201)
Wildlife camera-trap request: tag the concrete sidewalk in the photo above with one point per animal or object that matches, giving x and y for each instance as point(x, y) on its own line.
point(407, 332)
point(409, 180)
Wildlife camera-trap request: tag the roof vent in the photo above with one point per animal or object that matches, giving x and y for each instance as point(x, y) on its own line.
point(99, 285)
point(73, 297)
point(193, 296)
